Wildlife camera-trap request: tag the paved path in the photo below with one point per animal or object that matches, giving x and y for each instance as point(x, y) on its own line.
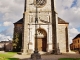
point(50, 57)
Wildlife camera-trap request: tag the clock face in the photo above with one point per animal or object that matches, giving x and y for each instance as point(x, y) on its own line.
point(39, 3)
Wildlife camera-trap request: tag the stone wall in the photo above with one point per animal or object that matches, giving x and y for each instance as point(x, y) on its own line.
point(17, 28)
point(62, 37)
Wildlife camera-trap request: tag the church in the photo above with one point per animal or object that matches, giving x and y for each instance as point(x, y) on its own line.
point(40, 19)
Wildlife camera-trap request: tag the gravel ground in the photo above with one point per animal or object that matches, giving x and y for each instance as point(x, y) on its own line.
point(49, 56)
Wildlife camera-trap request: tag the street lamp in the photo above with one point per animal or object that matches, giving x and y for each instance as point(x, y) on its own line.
point(36, 22)
point(36, 55)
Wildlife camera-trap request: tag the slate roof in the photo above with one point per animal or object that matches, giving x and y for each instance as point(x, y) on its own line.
point(19, 21)
point(78, 36)
point(60, 21)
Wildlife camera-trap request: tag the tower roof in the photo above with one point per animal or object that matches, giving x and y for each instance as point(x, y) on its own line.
point(60, 21)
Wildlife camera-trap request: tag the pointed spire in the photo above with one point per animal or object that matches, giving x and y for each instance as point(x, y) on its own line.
point(25, 5)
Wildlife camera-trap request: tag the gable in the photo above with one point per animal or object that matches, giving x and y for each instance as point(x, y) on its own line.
point(61, 21)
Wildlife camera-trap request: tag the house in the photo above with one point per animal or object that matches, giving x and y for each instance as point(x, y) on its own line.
point(6, 46)
point(75, 45)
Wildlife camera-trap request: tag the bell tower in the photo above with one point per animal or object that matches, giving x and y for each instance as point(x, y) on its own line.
point(47, 19)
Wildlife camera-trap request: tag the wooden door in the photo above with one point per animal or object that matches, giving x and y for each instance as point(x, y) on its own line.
point(39, 44)
point(44, 44)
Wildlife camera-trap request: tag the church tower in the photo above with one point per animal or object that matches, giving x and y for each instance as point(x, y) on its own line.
point(47, 26)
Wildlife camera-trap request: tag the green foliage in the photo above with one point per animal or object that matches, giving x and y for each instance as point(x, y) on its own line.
point(17, 42)
point(69, 59)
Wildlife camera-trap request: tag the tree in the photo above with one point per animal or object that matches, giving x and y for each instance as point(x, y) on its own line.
point(17, 42)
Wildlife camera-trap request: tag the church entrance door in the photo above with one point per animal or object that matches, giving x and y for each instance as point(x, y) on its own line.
point(41, 39)
point(42, 44)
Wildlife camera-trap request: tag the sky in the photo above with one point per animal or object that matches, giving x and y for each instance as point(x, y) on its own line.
point(12, 10)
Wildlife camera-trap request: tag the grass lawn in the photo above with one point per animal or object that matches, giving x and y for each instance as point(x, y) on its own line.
point(7, 56)
point(69, 59)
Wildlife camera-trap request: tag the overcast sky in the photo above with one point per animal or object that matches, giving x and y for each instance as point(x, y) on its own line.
point(12, 10)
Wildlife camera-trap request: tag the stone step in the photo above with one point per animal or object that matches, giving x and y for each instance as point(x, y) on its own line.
point(39, 59)
point(41, 52)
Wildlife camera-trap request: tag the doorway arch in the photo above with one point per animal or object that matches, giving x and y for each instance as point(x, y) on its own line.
point(41, 39)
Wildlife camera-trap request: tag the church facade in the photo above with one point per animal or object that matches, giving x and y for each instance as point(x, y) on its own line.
point(52, 31)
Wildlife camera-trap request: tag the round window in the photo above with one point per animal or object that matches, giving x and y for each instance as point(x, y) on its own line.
point(39, 3)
